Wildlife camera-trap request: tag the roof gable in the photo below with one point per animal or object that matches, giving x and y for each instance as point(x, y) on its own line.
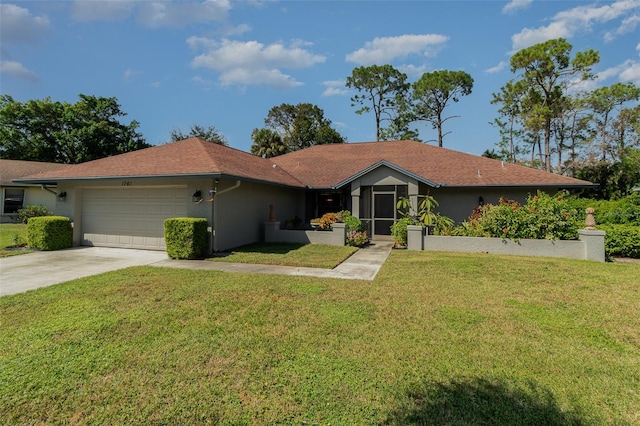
point(189, 157)
point(328, 166)
point(321, 166)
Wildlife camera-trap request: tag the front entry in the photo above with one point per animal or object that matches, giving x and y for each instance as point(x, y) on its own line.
point(379, 207)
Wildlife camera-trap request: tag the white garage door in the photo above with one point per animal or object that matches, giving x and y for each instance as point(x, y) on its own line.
point(128, 217)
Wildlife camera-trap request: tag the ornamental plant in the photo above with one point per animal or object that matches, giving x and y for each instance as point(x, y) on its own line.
point(542, 217)
point(357, 238)
point(27, 212)
point(327, 220)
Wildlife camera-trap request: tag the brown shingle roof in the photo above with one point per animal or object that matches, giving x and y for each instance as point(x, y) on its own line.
point(326, 166)
point(13, 169)
point(189, 157)
point(322, 166)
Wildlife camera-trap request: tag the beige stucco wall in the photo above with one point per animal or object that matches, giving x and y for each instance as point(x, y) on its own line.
point(235, 217)
point(240, 212)
point(32, 196)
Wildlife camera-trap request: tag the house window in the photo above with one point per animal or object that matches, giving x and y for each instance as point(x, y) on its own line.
point(13, 200)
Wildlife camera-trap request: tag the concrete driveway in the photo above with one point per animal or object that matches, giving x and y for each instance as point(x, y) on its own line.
point(44, 268)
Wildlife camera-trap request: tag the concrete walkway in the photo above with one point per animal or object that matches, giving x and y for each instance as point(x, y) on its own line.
point(44, 268)
point(362, 265)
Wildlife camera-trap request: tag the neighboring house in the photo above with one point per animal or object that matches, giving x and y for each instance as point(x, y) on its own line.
point(122, 201)
point(16, 196)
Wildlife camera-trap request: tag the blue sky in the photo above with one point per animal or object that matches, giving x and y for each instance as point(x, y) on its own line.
point(226, 63)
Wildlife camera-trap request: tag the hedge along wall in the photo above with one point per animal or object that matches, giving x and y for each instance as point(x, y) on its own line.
point(49, 232)
point(590, 246)
point(186, 237)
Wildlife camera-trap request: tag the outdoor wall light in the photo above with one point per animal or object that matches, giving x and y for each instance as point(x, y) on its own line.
point(62, 195)
point(480, 201)
point(197, 196)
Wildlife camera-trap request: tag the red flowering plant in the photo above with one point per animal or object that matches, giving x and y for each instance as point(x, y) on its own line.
point(541, 217)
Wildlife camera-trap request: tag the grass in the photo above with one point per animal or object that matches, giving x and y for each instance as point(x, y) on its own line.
point(437, 338)
point(7, 233)
point(285, 254)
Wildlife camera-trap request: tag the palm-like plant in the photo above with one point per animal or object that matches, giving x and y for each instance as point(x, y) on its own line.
point(267, 143)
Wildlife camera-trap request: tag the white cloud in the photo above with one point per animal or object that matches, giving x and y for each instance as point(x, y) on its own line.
point(334, 88)
point(515, 5)
point(627, 26)
point(17, 25)
point(573, 21)
point(501, 66)
point(16, 69)
point(629, 70)
point(204, 83)
point(154, 14)
point(113, 10)
point(180, 14)
point(251, 62)
point(128, 74)
point(383, 50)
point(412, 70)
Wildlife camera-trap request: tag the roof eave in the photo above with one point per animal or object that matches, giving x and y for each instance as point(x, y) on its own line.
point(53, 181)
point(391, 166)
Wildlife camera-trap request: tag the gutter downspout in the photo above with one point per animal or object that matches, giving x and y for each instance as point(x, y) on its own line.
point(48, 190)
point(214, 245)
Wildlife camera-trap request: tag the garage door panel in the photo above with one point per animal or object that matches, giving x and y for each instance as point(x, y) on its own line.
point(131, 218)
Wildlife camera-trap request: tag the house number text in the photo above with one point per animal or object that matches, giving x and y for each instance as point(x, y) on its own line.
point(127, 183)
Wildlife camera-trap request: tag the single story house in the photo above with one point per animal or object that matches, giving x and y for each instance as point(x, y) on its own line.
point(123, 200)
point(16, 196)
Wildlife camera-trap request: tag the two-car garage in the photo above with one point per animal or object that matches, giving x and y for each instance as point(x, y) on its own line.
point(130, 217)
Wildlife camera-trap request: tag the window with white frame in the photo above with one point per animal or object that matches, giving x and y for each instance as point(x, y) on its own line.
point(13, 200)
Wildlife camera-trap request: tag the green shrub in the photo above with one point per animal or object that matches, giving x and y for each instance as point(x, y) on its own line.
point(26, 213)
point(353, 223)
point(621, 240)
point(623, 211)
point(542, 217)
point(399, 230)
point(49, 232)
point(186, 237)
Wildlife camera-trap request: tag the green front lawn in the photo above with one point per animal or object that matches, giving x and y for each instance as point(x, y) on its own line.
point(437, 338)
point(286, 254)
point(8, 232)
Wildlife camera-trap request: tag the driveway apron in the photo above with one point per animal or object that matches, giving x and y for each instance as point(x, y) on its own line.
point(44, 268)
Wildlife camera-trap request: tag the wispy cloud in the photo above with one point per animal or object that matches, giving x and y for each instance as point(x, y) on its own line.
point(19, 27)
point(515, 5)
point(627, 26)
point(129, 74)
point(152, 14)
point(252, 62)
point(573, 21)
point(629, 71)
point(383, 50)
point(501, 66)
point(16, 69)
point(334, 88)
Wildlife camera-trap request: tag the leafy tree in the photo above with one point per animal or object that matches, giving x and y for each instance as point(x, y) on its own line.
point(604, 102)
point(208, 133)
point(434, 91)
point(614, 179)
point(546, 69)
point(267, 143)
point(383, 90)
point(509, 121)
point(44, 130)
point(297, 127)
